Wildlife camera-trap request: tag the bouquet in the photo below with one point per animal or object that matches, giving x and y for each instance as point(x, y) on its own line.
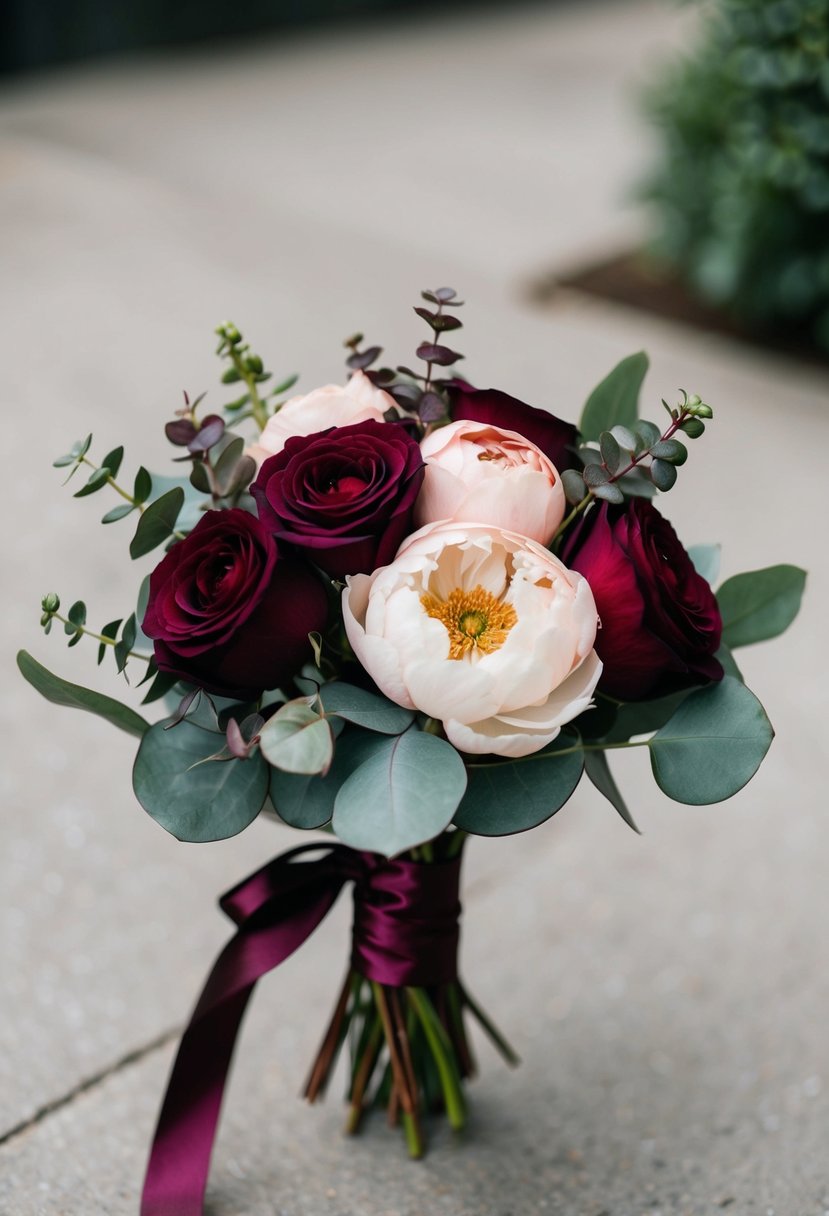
point(403, 612)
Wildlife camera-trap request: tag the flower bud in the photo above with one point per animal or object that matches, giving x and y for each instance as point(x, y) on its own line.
point(50, 602)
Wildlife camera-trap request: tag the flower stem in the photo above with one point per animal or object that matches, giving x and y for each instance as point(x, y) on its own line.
point(139, 506)
point(98, 637)
point(257, 405)
point(444, 1059)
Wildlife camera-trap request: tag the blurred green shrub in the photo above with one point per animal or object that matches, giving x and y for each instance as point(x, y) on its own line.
point(742, 188)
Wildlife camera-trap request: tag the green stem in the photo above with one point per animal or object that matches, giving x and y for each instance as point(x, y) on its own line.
point(565, 751)
point(507, 1052)
point(442, 1053)
point(139, 506)
point(455, 843)
point(257, 405)
point(98, 637)
point(590, 495)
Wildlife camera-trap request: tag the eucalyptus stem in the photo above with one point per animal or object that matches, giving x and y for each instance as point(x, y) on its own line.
point(139, 506)
point(565, 751)
point(98, 637)
point(257, 405)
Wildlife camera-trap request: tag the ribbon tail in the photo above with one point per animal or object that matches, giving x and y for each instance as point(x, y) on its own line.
point(176, 1177)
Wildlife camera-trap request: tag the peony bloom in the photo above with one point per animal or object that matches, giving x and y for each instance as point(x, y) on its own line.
point(556, 439)
point(345, 496)
point(229, 612)
point(660, 623)
point(331, 405)
point(483, 630)
point(475, 471)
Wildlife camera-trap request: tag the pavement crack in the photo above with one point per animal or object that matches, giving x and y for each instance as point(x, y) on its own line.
point(89, 1083)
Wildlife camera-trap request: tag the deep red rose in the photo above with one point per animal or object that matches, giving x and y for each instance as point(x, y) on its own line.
point(488, 405)
point(660, 624)
point(344, 495)
point(229, 612)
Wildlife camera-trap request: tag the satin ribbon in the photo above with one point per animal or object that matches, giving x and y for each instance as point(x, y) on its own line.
point(405, 933)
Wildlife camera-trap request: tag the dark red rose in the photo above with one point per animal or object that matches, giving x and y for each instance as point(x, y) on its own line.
point(660, 624)
point(488, 405)
point(344, 495)
point(229, 612)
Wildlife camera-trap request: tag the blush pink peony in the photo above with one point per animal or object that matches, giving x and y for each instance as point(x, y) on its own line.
point(475, 471)
point(481, 629)
point(332, 405)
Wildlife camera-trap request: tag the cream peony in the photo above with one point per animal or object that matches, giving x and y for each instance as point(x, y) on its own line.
point(481, 472)
point(331, 405)
point(482, 629)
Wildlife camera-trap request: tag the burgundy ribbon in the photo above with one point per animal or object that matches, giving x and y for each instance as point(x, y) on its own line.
point(405, 933)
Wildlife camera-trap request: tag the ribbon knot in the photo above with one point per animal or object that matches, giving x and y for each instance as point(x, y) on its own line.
point(405, 933)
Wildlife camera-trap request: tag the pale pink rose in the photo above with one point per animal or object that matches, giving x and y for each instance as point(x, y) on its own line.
point(484, 474)
point(331, 405)
point(482, 629)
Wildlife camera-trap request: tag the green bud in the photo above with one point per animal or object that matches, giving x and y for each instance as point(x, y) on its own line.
point(254, 364)
point(50, 602)
point(703, 411)
point(692, 402)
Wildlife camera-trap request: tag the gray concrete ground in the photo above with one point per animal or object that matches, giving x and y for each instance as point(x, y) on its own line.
point(669, 993)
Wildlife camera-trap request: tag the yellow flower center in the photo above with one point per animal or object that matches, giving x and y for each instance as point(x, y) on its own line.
point(474, 620)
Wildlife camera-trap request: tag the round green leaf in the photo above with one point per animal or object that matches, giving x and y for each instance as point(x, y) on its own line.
point(712, 745)
point(405, 793)
point(365, 708)
point(513, 795)
point(196, 801)
point(307, 801)
point(297, 739)
point(760, 604)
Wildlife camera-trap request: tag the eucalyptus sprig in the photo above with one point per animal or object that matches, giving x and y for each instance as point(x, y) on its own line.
point(248, 368)
point(75, 627)
point(638, 459)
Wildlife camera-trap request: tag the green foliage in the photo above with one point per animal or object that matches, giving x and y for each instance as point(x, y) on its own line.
point(712, 745)
point(405, 793)
point(195, 798)
point(598, 770)
point(742, 187)
point(364, 708)
point(616, 399)
point(512, 796)
point(61, 692)
point(760, 604)
point(307, 801)
point(298, 739)
point(157, 523)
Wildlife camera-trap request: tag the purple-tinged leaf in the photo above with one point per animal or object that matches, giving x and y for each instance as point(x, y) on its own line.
point(431, 408)
point(181, 432)
point(361, 359)
point(209, 433)
point(430, 352)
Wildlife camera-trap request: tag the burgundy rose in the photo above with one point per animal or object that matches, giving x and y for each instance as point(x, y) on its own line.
point(228, 612)
point(344, 495)
point(660, 624)
point(488, 405)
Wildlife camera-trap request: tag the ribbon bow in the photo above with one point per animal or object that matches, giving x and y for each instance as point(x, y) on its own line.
point(405, 933)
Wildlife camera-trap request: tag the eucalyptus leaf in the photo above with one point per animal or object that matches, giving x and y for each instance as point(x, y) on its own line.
point(307, 801)
point(611, 452)
point(598, 770)
point(760, 604)
point(647, 434)
point(157, 523)
point(196, 801)
point(663, 475)
point(729, 665)
point(143, 486)
point(608, 493)
point(365, 708)
point(706, 560)
point(712, 746)
point(615, 402)
point(574, 487)
point(120, 512)
point(625, 438)
point(514, 795)
point(97, 480)
point(405, 793)
point(112, 461)
point(297, 739)
point(61, 692)
point(644, 717)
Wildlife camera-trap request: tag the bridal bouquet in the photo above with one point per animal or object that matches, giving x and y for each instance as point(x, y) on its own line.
point(407, 612)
